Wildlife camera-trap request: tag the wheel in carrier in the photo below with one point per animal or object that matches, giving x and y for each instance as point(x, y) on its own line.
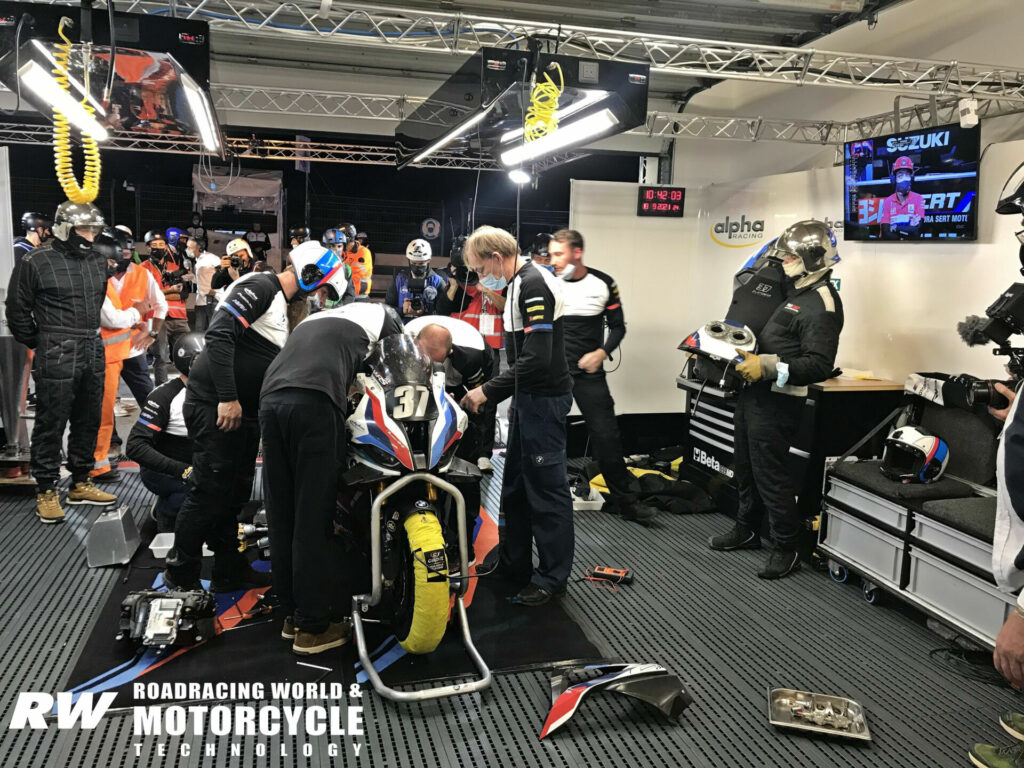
point(422, 593)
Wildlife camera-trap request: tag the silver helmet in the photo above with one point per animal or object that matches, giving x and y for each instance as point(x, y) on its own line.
point(71, 215)
point(812, 241)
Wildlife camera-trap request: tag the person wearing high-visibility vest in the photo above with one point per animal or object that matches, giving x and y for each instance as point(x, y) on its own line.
point(123, 325)
point(170, 274)
point(360, 261)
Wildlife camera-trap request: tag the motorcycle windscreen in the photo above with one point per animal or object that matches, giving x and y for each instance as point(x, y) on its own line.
point(404, 371)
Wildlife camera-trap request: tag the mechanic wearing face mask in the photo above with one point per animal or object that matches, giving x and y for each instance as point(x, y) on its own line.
point(221, 411)
point(302, 414)
point(416, 288)
point(796, 348)
point(336, 239)
point(53, 307)
point(170, 274)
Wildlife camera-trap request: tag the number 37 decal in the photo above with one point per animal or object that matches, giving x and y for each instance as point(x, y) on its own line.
point(411, 402)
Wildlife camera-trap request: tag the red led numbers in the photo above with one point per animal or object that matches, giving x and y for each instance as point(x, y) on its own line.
point(660, 201)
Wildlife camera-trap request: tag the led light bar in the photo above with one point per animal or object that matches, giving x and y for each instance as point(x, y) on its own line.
point(575, 133)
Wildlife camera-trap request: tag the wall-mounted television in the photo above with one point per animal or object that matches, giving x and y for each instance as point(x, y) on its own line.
point(919, 185)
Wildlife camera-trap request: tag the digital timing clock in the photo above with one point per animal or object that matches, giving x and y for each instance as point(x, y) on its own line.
point(660, 201)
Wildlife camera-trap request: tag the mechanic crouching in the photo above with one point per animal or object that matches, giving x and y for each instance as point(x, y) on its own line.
point(796, 348)
point(159, 441)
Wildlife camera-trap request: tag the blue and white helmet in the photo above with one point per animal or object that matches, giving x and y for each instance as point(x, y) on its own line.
point(914, 455)
point(317, 266)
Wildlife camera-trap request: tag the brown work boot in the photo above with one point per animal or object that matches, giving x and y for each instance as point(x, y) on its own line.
point(48, 507)
point(85, 492)
point(336, 634)
point(288, 628)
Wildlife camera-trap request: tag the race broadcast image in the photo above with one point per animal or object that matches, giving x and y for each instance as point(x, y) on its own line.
point(918, 185)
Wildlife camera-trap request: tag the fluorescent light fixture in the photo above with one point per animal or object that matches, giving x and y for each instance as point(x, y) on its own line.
point(453, 133)
point(576, 132)
point(42, 83)
point(519, 176)
point(72, 80)
point(590, 97)
point(200, 107)
point(835, 6)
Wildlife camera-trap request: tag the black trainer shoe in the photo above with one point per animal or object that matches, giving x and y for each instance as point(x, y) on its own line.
point(245, 578)
point(531, 595)
point(737, 538)
point(780, 563)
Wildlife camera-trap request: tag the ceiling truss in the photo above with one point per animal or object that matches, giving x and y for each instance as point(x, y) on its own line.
point(457, 33)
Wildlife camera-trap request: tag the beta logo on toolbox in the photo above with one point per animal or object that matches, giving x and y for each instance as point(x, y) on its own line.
point(738, 234)
point(709, 461)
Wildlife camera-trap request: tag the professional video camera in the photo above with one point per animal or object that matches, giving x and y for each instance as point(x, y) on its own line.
point(457, 268)
point(153, 617)
point(1005, 317)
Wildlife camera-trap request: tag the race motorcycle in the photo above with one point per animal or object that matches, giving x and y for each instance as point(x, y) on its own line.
point(403, 430)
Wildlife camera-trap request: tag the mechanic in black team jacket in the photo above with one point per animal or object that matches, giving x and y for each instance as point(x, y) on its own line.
point(159, 441)
point(796, 348)
point(591, 301)
point(535, 493)
point(249, 327)
point(302, 414)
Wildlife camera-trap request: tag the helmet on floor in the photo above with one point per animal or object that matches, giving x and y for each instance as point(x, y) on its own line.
point(914, 455)
point(316, 266)
point(187, 350)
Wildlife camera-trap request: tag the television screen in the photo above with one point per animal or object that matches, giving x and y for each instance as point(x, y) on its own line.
point(918, 185)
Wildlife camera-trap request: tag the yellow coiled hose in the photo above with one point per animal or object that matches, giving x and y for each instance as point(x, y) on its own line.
point(540, 117)
point(62, 159)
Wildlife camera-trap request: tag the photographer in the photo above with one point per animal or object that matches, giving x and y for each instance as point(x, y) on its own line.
point(591, 303)
point(416, 289)
point(173, 278)
point(796, 348)
point(236, 262)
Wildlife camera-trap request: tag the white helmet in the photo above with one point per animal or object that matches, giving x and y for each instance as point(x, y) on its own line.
point(317, 266)
point(238, 244)
point(418, 251)
point(914, 455)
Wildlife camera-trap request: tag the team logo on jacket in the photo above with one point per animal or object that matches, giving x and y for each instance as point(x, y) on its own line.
point(793, 307)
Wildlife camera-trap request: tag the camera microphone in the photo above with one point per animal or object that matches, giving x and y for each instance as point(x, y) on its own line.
point(430, 293)
point(972, 332)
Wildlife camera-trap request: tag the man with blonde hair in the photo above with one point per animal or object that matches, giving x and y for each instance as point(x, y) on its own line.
point(535, 492)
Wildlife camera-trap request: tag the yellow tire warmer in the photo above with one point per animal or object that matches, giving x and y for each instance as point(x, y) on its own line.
point(430, 593)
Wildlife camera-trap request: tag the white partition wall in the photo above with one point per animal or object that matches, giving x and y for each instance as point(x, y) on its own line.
point(6, 234)
point(649, 258)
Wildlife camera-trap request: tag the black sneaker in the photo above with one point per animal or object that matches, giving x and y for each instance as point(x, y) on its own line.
point(641, 513)
point(737, 538)
point(245, 578)
point(531, 595)
point(780, 563)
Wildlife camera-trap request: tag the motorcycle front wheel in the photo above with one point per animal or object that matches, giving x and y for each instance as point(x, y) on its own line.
point(421, 608)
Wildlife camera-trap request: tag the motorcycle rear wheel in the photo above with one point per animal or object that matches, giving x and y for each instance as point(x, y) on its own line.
point(422, 609)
